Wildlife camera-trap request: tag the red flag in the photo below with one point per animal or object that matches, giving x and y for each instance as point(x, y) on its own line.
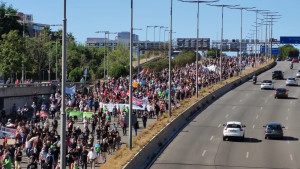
point(142, 71)
point(147, 70)
point(105, 92)
point(127, 93)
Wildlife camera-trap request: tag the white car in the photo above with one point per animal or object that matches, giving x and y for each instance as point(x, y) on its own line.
point(298, 73)
point(291, 81)
point(233, 129)
point(267, 84)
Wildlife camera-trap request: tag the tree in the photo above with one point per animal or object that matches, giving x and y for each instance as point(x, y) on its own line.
point(213, 52)
point(76, 74)
point(118, 71)
point(8, 20)
point(37, 56)
point(119, 56)
point(288, 51)
point(11, 52)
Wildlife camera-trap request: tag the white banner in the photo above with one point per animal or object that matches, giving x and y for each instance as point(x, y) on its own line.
point(71, 90)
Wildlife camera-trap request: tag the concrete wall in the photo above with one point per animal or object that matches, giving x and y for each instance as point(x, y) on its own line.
point(146, 156)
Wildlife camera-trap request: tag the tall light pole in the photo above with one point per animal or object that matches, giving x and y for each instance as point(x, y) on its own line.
point(130, 79)
point(63, 90)
point(138, 51)
point(170, 59)
point(159, 36)
point(221, 43)
point(271, 21)
point(49, 68)
point(155, 26)
point(266, 14)
point(147, 39)
point(197, 40)
point(240, 60)
point(165, 40)
point(105, 32)
point(107, 50)
point(256, 13)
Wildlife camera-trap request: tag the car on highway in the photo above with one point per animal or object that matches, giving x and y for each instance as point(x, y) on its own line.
point(273, 130)
point(298, 73)
point(233, 129)
point(267, 84)
point(281, 93)
point(291, 81)
point(289, 59)
point(295, 60)
point(277, 74)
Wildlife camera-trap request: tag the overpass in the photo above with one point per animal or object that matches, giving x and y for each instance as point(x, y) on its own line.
point(22, 93)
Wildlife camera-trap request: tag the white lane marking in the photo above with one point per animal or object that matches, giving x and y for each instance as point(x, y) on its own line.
point(291, 102)
point(253, 125)
point(203, 153)
point(261, 108)
point(233, 107)
point(247, 154)
point(288, 142)
point(266, 100)
point(219, 125)
point(291, 157)
point(287, 118)
point(288, 109)
point(240, 100)
point(226, 116)
point(211, 138)
point(287, 127)
point(247, 94)
point(256, 116)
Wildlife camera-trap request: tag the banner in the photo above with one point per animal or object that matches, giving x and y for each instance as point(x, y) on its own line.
point(71, 90)
point(76, 113)
point(137, 104)
point(88, 114)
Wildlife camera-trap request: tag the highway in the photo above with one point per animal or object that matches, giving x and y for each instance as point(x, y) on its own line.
point(200, 146)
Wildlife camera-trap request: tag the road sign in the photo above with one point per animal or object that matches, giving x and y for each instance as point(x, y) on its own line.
point(275, 51)
point(290, 39)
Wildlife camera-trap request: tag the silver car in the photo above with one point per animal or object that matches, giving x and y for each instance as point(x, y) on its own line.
point(291, 81)
point(298, 73)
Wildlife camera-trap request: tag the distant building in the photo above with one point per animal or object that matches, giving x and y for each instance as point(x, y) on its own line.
point(34, 29)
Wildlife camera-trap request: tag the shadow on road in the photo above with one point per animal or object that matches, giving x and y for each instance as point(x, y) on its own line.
point(292, 98)
point(285, 138)
point(246, 140)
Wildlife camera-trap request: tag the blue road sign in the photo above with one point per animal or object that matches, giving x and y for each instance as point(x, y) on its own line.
point(275, 51)
point(290, 39)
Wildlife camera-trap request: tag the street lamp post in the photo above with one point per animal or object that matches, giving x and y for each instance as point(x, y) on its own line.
point(63, 89)
point(130, 79)
point(197, 41)
point(107, 51)
point(170, 59)
point(266, 37)
point(147, 39)
point(138, 51)
point(221, 43)
point(241, 8)
point(271, 17)
point(155, 26)
point(105, 32)
point(256, 12)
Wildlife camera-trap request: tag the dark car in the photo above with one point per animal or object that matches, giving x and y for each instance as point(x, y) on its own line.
point(273, 130)
point(281, 93)
point(278, 59)
point(277, 74)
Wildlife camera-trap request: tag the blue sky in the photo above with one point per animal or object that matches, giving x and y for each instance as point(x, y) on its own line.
point(86, 17)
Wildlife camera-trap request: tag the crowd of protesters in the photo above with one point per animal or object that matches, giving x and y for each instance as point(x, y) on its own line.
point(37, 139)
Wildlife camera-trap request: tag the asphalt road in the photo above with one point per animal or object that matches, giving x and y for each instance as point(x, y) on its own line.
point(200, 144)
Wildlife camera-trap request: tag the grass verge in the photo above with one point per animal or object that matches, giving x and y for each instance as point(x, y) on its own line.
point(124, 155)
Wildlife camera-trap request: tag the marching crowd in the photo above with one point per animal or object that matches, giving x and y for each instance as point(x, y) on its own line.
point(37, 140)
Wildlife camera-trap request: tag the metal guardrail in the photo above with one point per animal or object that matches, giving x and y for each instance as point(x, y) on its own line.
point(48, 84)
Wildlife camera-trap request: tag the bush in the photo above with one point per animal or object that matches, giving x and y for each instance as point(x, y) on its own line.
point(76, 74)
point(184, 58)
point(118, 71)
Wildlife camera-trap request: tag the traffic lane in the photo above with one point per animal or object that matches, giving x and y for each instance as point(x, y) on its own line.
point(175, 151)
point(215, 114)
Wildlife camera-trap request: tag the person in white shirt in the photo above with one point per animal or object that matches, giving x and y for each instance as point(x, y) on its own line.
point(91, 157)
